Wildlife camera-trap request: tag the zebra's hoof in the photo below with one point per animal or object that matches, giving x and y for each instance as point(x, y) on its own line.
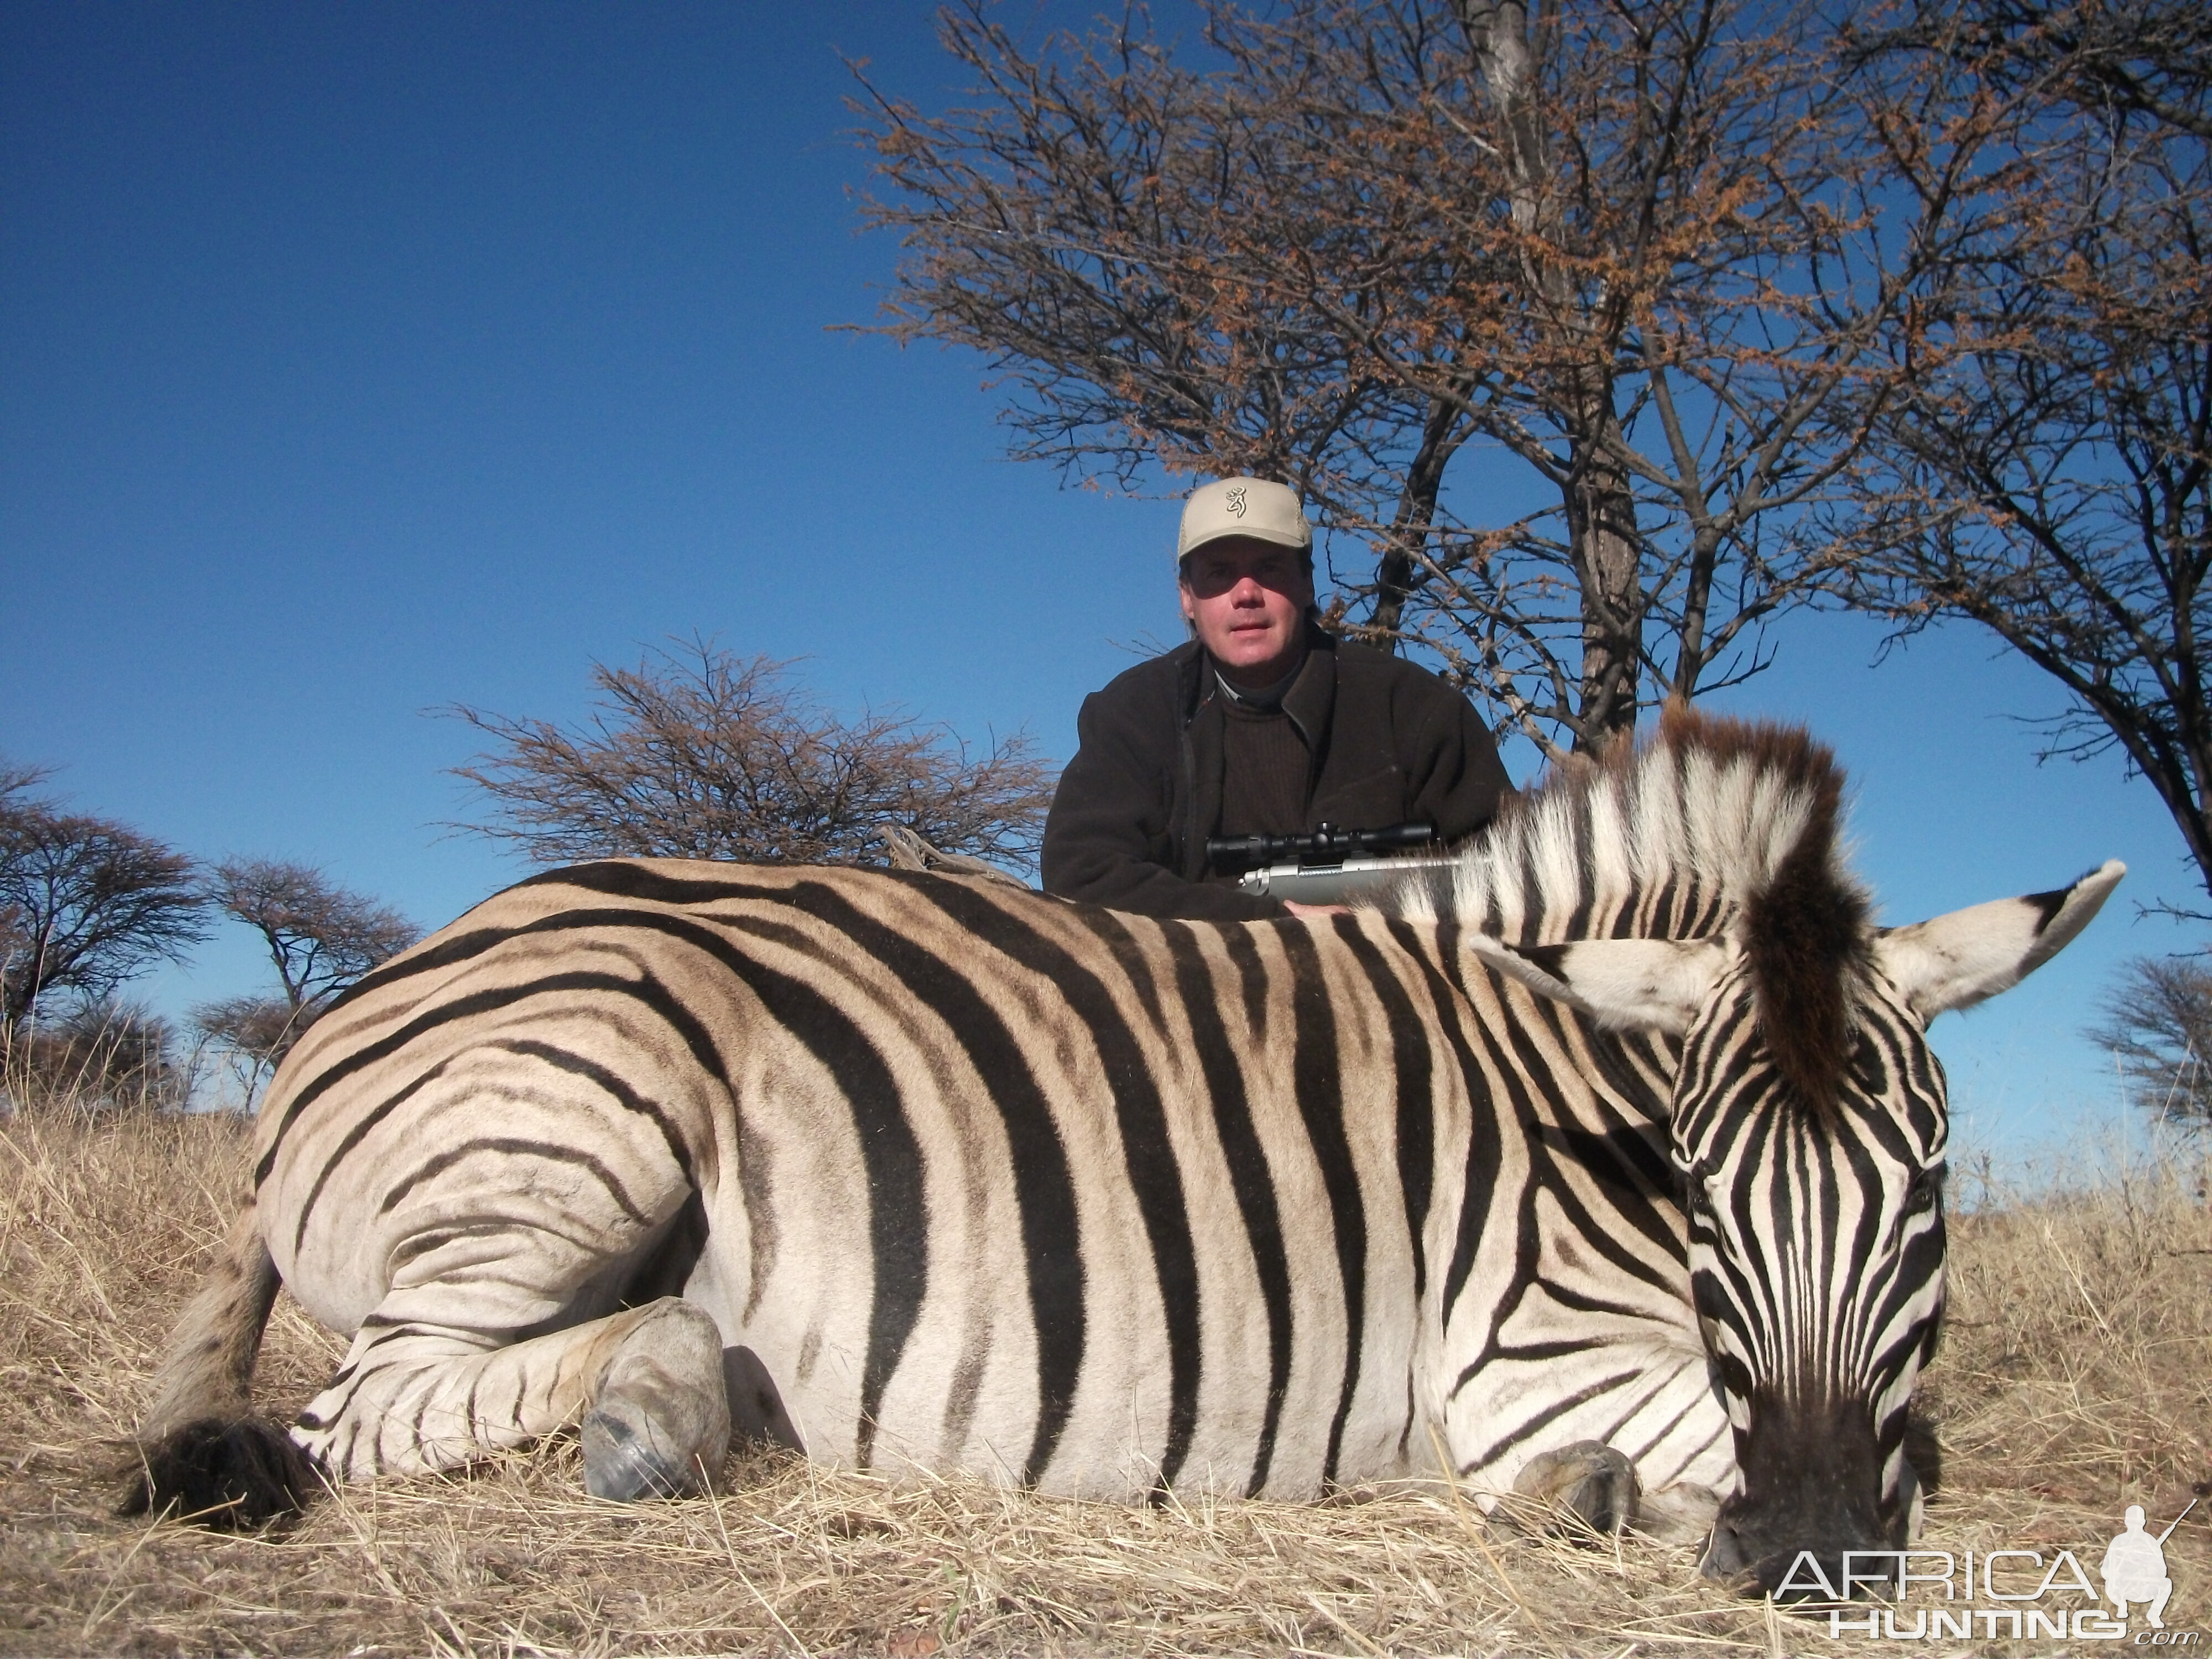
point(627, 1458)
point(660, 1424)
point(1585, 1487)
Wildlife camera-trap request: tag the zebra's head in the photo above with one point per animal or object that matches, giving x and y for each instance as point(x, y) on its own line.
point(1807, 1118)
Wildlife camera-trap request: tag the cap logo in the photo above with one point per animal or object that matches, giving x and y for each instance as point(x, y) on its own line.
point(1234, 500)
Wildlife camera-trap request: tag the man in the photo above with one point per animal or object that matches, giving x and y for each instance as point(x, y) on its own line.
point(1260, 724)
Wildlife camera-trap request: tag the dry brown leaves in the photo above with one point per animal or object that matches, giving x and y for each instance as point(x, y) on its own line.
point(2077, 1377)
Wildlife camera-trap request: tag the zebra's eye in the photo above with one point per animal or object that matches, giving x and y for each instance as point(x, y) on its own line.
point(1927, 1186)
point(1697, 1179)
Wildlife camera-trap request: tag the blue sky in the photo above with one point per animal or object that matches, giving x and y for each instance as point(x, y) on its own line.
point(359, 360)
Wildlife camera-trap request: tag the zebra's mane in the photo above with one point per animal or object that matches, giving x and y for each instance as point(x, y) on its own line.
point(1712, 827)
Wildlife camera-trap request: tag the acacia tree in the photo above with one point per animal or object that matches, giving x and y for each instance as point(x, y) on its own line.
point(16, 783)
point(86, 903)
point(2157, 1021)
point(1354, 246)
point(2047, 474)
point(707, 755)
point(320, 939)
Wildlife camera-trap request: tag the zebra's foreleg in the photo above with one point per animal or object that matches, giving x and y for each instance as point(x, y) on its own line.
point(646, 1383)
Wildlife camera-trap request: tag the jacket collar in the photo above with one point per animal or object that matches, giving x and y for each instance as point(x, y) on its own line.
point(1308, 703)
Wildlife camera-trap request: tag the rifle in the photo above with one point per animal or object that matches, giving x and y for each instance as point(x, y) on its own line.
point(2168, 1533)
point(1327, 866)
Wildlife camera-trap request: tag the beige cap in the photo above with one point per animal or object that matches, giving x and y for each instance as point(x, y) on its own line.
point(1243, 506)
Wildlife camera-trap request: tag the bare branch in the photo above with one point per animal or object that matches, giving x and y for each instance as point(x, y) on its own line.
point(86, 904)
point(320, 937)
point(2045, 469)
point(1360, 243)
point(705, 755)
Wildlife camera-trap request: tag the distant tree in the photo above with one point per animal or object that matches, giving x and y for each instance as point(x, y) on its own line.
point(1353, 245)
point(17, 941)
point(86, 903)
point(705, 755)
point(106, 1054)
point(253, 1035)
point(2158, 1023)
point(17, 781)
point(320, 939)
point(2043, 465)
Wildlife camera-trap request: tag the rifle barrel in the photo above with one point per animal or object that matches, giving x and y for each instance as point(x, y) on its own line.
point(1333, 883)
point(2178, 1520)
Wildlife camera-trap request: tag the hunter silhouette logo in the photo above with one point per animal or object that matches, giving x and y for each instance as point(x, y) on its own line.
point(2135, 1567)
point(1234, 500)
point(2031, 1597)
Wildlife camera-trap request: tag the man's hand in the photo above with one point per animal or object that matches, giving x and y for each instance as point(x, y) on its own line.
point(1308, 912)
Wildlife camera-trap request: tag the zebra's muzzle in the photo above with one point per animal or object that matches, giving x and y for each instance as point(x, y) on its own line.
point(1813, 1482)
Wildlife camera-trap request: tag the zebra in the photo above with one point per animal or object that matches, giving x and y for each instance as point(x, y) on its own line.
point(1604, 1165)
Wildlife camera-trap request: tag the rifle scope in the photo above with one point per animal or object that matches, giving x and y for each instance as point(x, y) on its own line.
point(1328, 844)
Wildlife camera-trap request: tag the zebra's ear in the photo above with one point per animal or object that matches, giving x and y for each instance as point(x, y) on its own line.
point(1954, 961)
point(1636, 984)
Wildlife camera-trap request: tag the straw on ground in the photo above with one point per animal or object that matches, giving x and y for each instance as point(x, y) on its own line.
point(2076, 1378)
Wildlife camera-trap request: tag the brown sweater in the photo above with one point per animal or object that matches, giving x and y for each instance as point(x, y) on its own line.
point(1265, 770)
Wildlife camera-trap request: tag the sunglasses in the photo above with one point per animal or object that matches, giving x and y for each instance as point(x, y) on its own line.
point(1209, 578)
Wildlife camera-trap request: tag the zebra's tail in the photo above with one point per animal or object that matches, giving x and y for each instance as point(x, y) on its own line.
point(201, 1453)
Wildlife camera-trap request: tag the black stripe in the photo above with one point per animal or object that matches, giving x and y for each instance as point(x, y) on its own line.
point(1320, 1105)
point(353, 1137)
point(1583, 834)
point(628, 878)
point(1250, 1177)
point(563, 1059)
point(421, 1410)
point(960, 1397)
point(1551, 1413)
point(515, 1146)
point(646, 990)
point(1131, 958)
point(613, 877)
point(431, 1238)
point(1412, 1068)
point(1252, 978)
point(1155, 1179)
point(559, 1058)
point(1490, 1121)
point(898, 1220)
point(1624, 1160)
point(898, 1203)
point(447, 951)
point(1484, 1154)
point(1044, 1190)
point(1657, 1437)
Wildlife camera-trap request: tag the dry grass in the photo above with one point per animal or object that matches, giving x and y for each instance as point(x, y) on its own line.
point(2077, 1377)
